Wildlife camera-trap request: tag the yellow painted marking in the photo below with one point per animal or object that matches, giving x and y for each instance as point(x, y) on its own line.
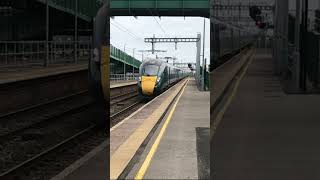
point(116, 85)
point(230, 98)
point(104, 69)
point(155, 145)
point(147, 84)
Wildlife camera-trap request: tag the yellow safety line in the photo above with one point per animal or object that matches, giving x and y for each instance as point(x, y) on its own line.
point(155, 145)
point(104, 70)
point(229, 100)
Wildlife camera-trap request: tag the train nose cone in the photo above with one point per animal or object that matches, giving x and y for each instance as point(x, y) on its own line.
point(147, 84)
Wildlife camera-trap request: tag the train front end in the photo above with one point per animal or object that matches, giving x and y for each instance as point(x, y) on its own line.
point(149, 83)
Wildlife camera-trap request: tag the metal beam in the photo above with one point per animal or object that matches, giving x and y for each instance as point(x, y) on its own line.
point(242, 7)
point(170, 40)
point(153, 50)
point(154, 40)
point(233, 18)
point(160, 8)
point(85, 13)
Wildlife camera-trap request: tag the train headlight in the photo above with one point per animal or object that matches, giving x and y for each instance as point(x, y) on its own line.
point(139, 78)
point(158, 79)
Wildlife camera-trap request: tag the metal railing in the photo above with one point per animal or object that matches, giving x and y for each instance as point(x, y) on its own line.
point(24, 53)
point(119, 54)
point(124, 77)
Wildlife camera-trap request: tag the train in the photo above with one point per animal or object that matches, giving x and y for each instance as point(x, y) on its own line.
point(156, 75)
point(98, 68)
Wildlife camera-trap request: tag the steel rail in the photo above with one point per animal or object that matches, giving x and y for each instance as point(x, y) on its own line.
point(43, 153)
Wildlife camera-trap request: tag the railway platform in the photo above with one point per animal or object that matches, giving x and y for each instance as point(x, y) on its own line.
point(167, 138)
point(93, 166)
point(116, 84)
point(261, 132)
point(182, 151)
point(15, 74)
point(27, 73)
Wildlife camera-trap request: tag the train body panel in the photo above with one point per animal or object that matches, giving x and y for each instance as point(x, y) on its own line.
point(148, 84)
point(155, 76)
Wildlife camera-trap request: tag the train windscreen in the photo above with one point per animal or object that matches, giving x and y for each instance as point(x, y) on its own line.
point(150, 70)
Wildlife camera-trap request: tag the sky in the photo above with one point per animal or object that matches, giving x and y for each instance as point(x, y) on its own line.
point(129, 33)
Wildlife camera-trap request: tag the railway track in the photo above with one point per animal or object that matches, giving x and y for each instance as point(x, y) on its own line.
point(121, 98)
point(22, 119)
point(50, 162)
point(39, 141)
point(123, 105)
point(14, 171)
point(30, 134)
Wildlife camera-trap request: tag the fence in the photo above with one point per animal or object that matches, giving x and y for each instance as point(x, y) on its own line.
point(123, 77)
point(24, 53)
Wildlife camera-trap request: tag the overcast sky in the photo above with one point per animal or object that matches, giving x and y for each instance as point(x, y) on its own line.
point(130, 32)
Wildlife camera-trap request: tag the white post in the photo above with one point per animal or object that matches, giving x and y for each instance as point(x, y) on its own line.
point(198, 59)
point(203, 46)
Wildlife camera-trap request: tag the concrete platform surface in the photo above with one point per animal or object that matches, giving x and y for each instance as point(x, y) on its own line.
point(19, 74)
point(115, 84)
point(266, 134)
point(93, 166)
point(223, 75)
point(183, 151)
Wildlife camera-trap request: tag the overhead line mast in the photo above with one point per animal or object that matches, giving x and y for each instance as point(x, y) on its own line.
point(197, 40)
